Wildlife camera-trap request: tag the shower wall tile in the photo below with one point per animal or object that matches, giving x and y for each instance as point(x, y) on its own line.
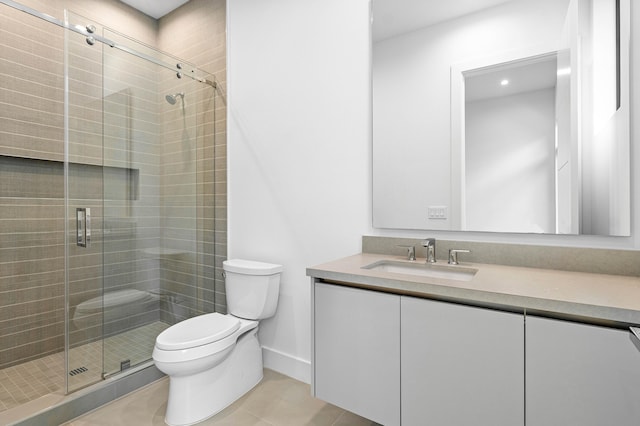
point(17, 326)
point(31, 263)
point(31, 95)
point(30, 179)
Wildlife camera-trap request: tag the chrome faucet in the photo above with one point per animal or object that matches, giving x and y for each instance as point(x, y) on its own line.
point(430, 245)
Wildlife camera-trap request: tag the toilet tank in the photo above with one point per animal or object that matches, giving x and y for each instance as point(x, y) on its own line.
point(252, 288)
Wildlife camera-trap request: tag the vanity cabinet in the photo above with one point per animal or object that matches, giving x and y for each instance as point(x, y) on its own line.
point(513, 346)
point(461, 365)
point(579, 374)
point(357, 351)
point(397, 359)
point(388, 357)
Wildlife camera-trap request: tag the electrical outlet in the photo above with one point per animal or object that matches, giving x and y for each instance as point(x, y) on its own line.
point(437, 212)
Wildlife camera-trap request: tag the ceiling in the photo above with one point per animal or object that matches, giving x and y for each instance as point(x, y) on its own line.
point(391, 17)
point(394, 17)
point(155, 8)
point(526, 75)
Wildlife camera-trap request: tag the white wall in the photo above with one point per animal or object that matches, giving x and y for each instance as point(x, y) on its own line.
point(298, 149)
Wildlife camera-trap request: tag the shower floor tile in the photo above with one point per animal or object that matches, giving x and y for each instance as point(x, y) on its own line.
point(25, 382)
point(33, 379)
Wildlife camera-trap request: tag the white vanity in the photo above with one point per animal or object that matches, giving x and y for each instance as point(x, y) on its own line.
point(511, 346)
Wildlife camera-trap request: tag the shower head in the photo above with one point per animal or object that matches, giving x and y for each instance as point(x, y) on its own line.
point(172, 99)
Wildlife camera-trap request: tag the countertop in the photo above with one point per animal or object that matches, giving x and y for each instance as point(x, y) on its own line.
point(596, 298)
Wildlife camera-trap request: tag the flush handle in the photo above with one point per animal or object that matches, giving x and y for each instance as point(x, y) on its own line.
point(83, 227)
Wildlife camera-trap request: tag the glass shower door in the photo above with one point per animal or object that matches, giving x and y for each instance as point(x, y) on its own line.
point(132, 198)
point(84, 209)
point(108, 200)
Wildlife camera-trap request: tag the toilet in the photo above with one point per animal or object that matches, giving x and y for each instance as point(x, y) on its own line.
point(214, 359)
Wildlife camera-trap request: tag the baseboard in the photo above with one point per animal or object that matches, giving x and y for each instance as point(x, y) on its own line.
point(289, 365)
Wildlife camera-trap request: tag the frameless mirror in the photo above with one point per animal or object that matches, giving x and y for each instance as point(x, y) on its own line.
point(502, 116)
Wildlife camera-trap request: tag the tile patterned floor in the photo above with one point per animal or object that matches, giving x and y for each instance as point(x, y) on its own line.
point(135, 345)
point(277, 401)
point(25, 382)
point(31, 380)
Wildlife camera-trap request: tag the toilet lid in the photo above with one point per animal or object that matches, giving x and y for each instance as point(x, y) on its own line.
point(251, 267)
point(197, 331)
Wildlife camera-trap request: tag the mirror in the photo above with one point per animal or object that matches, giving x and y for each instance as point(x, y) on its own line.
point(501, 116)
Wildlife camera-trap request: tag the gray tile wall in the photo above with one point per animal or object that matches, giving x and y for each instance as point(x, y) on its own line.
point(31, 207)
point(152, 198)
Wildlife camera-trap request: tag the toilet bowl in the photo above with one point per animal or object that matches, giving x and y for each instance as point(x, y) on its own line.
point(214, 359)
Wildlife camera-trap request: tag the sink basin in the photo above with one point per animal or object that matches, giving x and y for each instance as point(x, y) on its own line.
point(431, 270)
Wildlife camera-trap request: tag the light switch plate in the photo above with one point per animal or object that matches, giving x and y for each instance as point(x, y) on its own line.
point(437, 212)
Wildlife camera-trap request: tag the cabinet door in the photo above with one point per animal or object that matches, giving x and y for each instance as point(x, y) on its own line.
point(581, 375)
point(357, 351)
point(461, 365)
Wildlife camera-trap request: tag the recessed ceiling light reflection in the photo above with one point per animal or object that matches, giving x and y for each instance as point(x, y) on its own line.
point(504, 82)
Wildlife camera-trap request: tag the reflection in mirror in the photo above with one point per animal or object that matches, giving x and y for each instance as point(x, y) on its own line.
point(510, 146)
point(508, 118)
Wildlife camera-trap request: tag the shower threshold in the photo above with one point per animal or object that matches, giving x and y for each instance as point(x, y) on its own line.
point(58, 409)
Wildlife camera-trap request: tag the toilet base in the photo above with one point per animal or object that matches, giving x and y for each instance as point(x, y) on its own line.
point(195, 398)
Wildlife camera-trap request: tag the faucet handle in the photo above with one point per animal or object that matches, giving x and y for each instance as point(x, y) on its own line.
point(453, 255)
point(411, 252)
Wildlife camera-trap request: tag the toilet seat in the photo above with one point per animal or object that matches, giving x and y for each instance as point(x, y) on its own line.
point(197, 331)
point(208, 349)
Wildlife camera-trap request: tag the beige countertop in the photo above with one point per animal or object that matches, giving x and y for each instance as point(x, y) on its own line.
point(588, 297)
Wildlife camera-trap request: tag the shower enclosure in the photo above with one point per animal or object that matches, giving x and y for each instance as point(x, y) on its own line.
point(107, 200)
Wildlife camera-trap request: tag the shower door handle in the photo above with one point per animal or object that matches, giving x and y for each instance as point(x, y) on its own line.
point(83, 227)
